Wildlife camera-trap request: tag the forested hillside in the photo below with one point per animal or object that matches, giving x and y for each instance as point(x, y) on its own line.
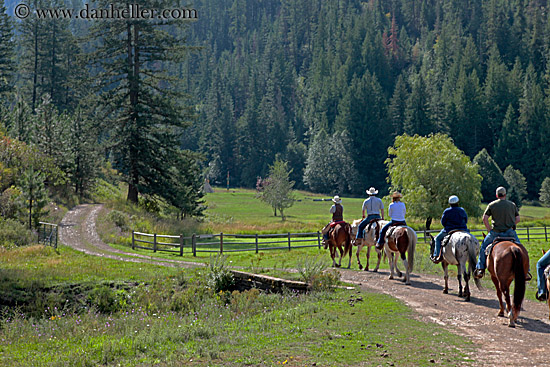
point(329, 84)
point(323, 85)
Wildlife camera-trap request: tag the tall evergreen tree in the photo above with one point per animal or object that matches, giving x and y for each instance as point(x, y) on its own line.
point(143, 107)
point(6, 52)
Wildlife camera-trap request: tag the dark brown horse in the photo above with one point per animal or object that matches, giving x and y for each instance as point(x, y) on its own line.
point(507, 262)
point(340, 236)
point(402, 240)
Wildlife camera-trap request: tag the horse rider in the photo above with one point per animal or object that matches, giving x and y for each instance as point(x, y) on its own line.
point(453, 218)
point(396, 211)
point(337, 211)
point(374, 208)
point(542, 264)
point(505, 216)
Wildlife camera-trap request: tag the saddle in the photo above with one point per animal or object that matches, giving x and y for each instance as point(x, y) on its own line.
point(500, 239)
point(333, 224)
point(394, 227)
point(447, 237)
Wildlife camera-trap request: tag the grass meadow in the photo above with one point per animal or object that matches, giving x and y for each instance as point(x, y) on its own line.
point(64, 308)
point(77, 310)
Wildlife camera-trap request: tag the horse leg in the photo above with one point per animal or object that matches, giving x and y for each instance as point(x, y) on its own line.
point(445, 267)
point(407, 278)
point(359, 248)
point(368, 257)
point(379, 253)
point(341, 255)
point(466, 281)
point(389, 254)
point(459, 272)
point(499, 295)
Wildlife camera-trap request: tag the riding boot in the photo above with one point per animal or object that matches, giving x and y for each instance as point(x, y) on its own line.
point(479, 273)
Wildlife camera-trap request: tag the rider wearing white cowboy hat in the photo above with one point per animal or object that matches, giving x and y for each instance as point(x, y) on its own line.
point(396, 211)
point(374, 208)
point(337, 211)
point(453, 218)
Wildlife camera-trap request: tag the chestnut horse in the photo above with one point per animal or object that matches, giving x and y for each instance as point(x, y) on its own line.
point(340, 235)
point(370, 235)
point(509, 261)
point(462, 247)
point(401, 240)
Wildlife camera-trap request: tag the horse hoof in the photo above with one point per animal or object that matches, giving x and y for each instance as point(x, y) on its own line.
point(360, 267)
point(400, 274)
point(375, 271)
point(500, 314)
point(366, 269)
point(391, 277)
point(467, 299)
point(460, 294)
point(445, 291)
point(512, 325)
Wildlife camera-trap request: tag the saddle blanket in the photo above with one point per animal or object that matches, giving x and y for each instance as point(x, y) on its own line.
point(497, 240)
point(333, 224)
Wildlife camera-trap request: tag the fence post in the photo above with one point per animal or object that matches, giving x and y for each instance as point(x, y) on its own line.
point(133, 241)
point(194, 245)
point(56, 234)
point(319, 239)
point(256, 243)
point(181, 245)
point(155, 243)
point(221, 243)
point(545, 234)
point(527, 233)
point(288, 241)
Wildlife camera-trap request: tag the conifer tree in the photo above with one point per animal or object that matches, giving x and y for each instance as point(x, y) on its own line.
point(144, 110)
point(6, 53)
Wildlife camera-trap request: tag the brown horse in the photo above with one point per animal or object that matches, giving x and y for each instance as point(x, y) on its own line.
point(401, 240)
point(340, 235)
point(509, 261)
point(370, 235)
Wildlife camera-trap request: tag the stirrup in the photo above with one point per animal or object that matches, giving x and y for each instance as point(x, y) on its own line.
point(541, 297)
point(436, 260)
point(479, 273)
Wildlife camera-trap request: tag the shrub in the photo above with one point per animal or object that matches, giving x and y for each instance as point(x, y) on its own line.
point(219, 277)
point(326, 281)
point(14, 234)
point(120, 219)
point(311, 267)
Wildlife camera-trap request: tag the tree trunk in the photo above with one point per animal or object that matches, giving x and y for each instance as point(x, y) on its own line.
point(428, 223)
point(132, 193)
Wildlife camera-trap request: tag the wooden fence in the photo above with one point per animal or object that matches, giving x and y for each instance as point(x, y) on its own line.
point(224, 242)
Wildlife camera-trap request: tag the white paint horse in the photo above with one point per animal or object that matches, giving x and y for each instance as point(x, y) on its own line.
point(401, 240)
point(461, 248)
point(370, 235)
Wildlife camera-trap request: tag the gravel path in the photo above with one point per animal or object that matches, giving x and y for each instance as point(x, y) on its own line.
point(526, 345)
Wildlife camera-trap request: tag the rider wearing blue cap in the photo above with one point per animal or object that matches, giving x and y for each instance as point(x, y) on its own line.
point(453, 218)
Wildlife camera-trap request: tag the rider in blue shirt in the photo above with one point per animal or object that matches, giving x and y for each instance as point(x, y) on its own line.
point(453, 218)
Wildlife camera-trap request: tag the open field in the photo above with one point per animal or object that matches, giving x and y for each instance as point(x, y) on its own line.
point(239, 211)
point(171, 318)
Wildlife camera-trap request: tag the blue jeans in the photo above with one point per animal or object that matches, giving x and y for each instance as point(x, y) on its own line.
point(438, 240)
point(543, 262)
point(481, 263)
point(364, 223)
point(385, 229)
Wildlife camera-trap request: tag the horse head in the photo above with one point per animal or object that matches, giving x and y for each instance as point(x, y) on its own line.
point(432, 242)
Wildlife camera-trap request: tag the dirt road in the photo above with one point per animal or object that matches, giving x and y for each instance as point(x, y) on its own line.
point(526, 345)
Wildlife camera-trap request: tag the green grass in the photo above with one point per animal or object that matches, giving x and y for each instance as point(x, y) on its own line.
point(172, 319)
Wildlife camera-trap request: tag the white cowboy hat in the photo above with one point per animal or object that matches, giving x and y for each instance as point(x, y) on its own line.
point(453, 199)
point(396, 194)
point(337, 199)
point(372, 191)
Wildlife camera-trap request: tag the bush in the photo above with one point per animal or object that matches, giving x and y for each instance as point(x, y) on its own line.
point(219, 277)
point(311, 268)
point(120, 219)
point(15, 234)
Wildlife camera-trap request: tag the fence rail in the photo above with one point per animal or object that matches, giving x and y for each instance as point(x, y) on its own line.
point(47, 234)
point(225, 242)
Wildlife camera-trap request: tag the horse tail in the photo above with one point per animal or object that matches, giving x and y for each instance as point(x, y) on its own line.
point(472, 259)
point(519, 271)
point(411, 234)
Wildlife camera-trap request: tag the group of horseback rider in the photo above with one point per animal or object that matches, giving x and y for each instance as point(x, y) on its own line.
point(504, 214)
